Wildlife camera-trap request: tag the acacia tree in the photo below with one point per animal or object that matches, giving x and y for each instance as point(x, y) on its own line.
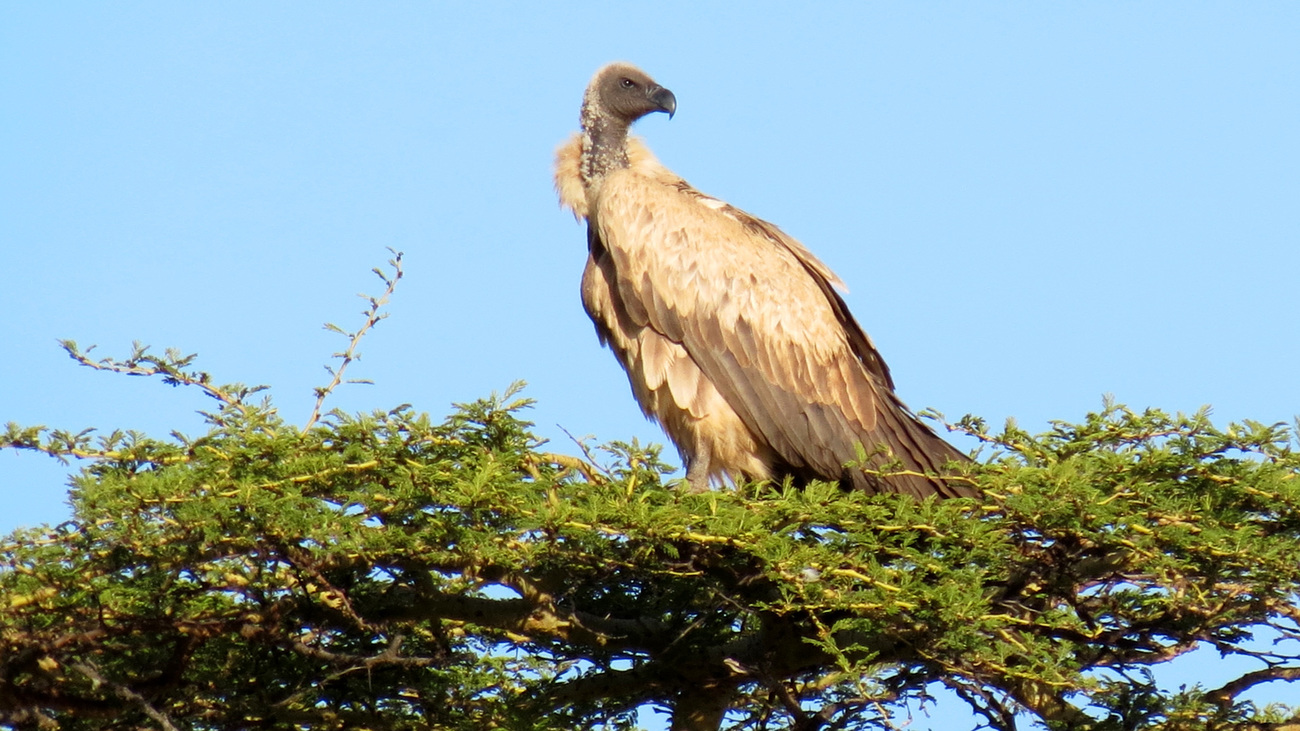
point(386, 571)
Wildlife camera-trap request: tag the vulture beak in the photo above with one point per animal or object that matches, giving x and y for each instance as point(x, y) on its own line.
point(663, 99)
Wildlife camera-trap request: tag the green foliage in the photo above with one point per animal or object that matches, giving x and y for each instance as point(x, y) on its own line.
point(386, 571)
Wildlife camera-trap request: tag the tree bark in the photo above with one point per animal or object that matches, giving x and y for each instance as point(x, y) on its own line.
point(701, 708)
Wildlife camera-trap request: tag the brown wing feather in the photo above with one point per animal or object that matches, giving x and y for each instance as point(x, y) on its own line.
point(822, 274)
point(758, 315)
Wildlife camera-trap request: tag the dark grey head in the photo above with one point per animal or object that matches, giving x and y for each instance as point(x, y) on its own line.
point(617, 96)
point(627, 93)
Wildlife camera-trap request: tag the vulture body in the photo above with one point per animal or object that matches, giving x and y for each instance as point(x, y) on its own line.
point(731, 332)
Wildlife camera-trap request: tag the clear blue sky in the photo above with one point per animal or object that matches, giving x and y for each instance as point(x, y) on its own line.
point(1033, 205)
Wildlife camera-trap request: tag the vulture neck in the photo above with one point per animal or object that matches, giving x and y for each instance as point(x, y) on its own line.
point(604, 144)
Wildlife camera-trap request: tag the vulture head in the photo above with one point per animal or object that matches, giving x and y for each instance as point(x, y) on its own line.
point(618, 95)
point(625, 93)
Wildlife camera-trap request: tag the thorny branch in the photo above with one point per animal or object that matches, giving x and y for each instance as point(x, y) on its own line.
point(373, 316)
point(171, 366)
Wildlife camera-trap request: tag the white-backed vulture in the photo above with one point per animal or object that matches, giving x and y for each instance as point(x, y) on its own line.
point(731, 332)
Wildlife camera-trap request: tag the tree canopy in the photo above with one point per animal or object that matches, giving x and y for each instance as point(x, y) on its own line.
point(393, 571)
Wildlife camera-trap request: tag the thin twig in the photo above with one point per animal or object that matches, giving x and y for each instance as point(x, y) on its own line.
point(373, 316)
point(170, 366)
point(586, 452)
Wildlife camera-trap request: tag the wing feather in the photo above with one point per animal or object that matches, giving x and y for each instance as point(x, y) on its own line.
point(759, 317)
point(656, 358)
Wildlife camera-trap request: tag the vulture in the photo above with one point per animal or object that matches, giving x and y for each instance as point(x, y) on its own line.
point(732, 334)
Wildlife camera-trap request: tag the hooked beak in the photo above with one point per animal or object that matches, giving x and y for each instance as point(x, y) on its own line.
point(664, 100)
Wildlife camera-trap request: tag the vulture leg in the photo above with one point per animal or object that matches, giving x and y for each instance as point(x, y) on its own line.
point(697, 466)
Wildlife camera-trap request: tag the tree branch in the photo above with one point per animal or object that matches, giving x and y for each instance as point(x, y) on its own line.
point(88, 670)
point(373, 316)
point(1225, 694)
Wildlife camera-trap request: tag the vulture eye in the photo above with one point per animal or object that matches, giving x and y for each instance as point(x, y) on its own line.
point(627, 83)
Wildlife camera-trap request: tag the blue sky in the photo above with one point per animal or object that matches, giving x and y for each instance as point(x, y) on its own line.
point(1033, 204)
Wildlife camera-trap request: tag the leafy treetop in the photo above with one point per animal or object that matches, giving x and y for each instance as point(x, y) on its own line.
point(387, 571)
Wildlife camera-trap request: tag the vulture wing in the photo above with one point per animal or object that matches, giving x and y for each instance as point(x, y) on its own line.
point(758, 314)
